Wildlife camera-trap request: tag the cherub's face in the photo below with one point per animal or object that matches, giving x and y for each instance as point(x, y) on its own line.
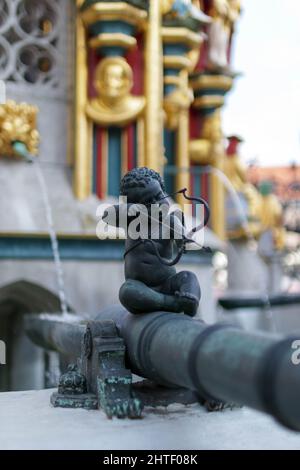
point(152, 193)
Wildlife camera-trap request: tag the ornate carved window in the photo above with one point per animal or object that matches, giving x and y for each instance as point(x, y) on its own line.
point(33, 41)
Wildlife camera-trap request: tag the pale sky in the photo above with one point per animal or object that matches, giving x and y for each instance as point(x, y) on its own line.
point(264, 106)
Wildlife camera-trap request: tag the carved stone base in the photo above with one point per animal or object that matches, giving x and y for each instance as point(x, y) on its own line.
point(87, 401)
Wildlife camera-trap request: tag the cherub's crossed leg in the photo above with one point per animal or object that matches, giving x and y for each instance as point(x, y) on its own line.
point(186, 288)
point(180, 293)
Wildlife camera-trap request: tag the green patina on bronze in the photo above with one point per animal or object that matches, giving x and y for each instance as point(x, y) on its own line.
point(102, 380)
point(115, 401)
point(72, 391)
point(88, 401)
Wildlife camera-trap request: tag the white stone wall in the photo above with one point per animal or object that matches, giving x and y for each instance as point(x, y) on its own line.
point(37, 54)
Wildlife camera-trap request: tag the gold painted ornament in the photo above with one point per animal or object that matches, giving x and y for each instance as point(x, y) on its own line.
point(18, 123)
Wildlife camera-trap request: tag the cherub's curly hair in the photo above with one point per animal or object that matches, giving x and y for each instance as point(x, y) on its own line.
point(139, 178)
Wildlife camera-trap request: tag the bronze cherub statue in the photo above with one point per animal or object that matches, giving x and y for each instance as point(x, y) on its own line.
point(152, 283)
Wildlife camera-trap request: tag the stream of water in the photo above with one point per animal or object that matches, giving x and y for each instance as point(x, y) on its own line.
point(21, 149)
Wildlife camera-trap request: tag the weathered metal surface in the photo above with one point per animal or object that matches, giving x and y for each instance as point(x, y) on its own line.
point(220, 362)
point(57, 335)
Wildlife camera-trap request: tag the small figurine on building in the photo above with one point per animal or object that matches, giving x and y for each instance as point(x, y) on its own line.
point(250, 199)
point(271, 217)
point(225, 14)
point(152, 283)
